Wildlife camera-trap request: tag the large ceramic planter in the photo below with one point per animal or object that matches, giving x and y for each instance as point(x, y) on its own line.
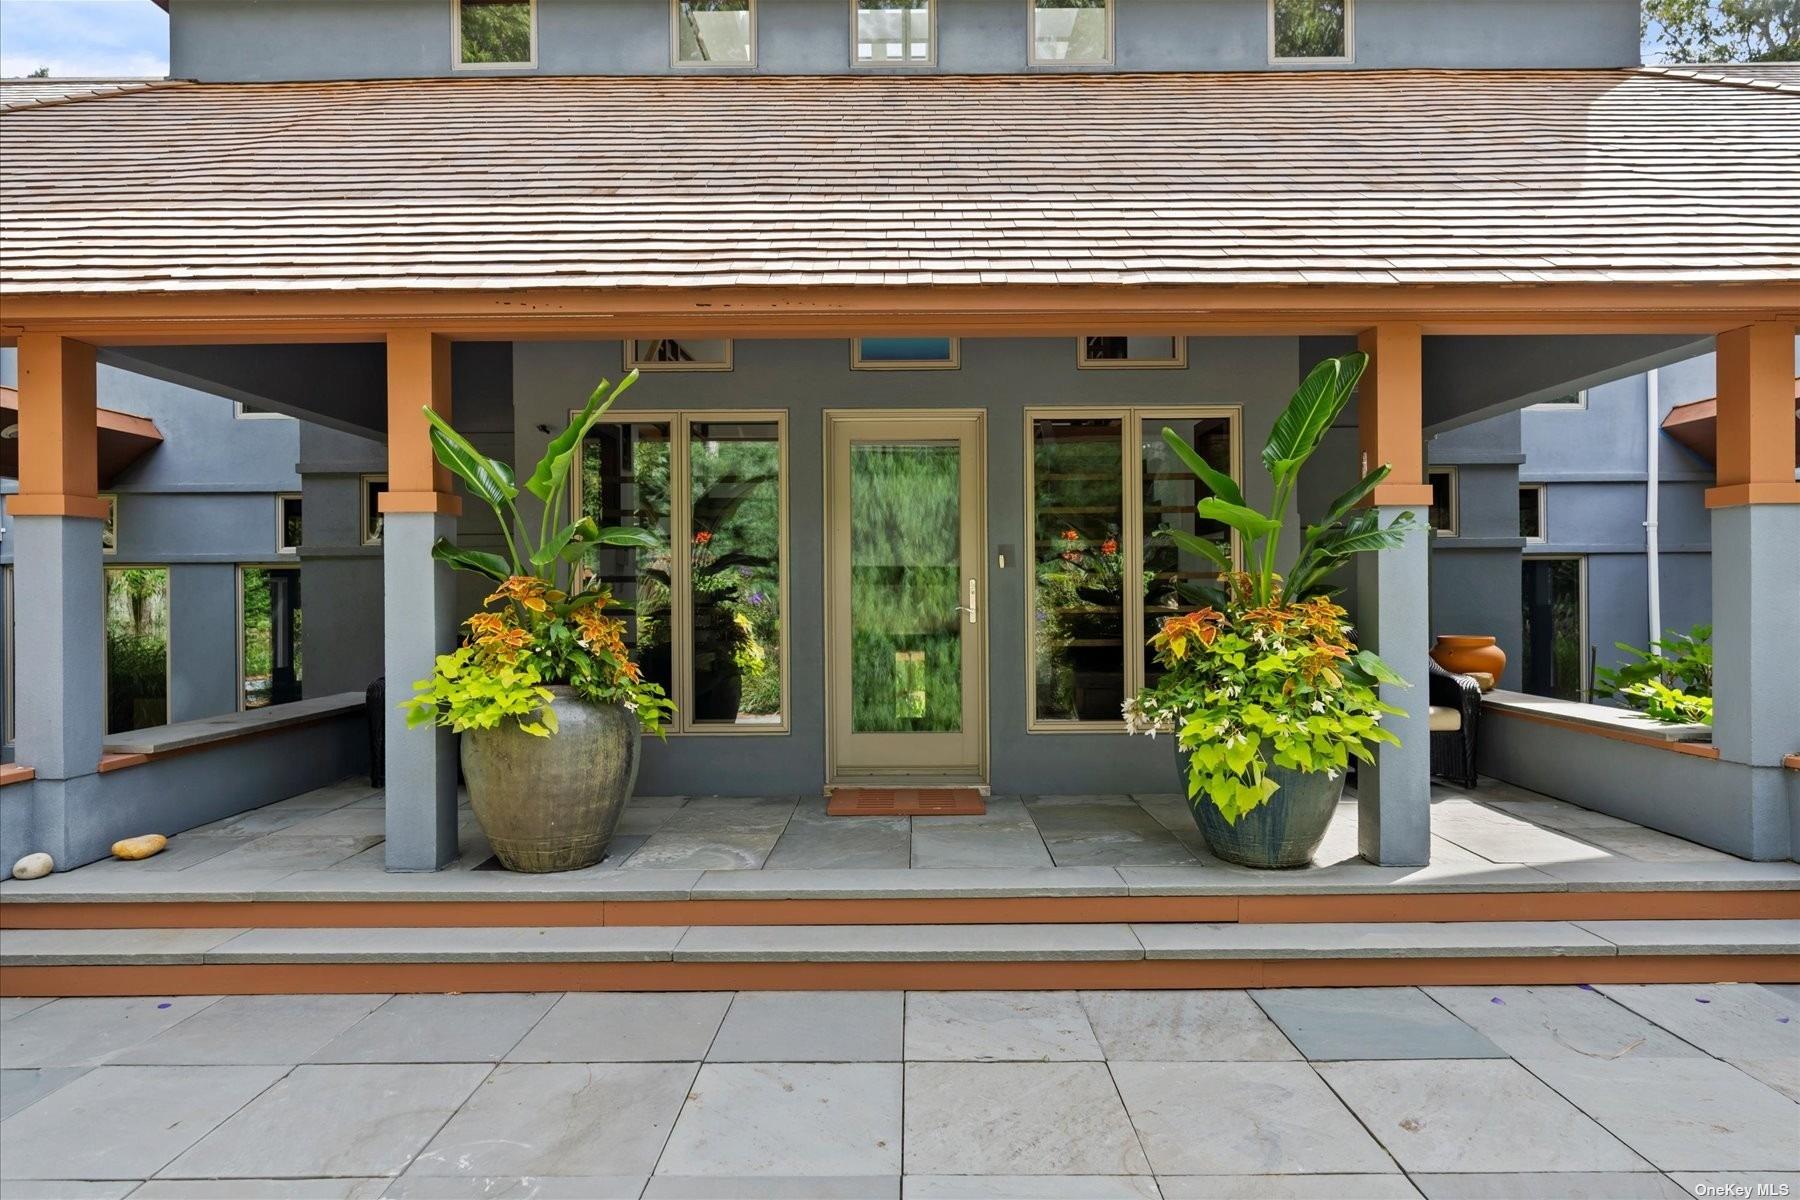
point(1285, 832)
point(1464, 654)
point(551, 804)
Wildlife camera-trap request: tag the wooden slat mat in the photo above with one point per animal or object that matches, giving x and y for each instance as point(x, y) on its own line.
point(905, 802)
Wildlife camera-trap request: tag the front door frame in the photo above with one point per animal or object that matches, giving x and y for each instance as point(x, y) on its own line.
point(969, 426)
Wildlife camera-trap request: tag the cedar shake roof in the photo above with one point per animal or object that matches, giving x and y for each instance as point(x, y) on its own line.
point(17, 93)
point(1354, 177)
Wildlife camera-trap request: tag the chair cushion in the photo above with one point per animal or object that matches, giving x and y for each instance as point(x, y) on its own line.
point(1445, 720)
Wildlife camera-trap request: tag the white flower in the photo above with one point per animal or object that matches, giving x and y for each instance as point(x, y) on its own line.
point(1318, 706)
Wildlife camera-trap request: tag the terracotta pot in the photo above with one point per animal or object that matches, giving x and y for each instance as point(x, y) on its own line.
point(1463, 654)
point(550, 804)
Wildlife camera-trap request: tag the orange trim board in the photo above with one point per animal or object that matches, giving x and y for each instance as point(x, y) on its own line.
point(837, 311)
point(905, 802)
point(999, 910)
point(320, 978)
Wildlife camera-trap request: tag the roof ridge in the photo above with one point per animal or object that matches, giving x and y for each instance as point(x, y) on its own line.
point(108, 88)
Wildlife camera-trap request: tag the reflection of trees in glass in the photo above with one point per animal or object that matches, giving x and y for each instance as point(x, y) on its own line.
point(1071, 30)
point(271, 632)
point(1078, 626)
point(137, 648)
point(1309, 29)
point(625, 481)
point(905, 576)
point(496, 31)
point(714, 31)
point(735, 476)
point(1170, 493)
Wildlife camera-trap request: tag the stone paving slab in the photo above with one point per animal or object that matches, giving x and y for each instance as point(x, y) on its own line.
point(1699, 937)
point(626, 1027)
point(491, 944)
point(254, 1030)
point(537, 1187)
point(1462, 939)
point(478, 1027)
point(85, 1032)
point(813, 840)
point(1474, 1115)
point(333, 1120)
point(1192, 1026)
point(908, 943)
point(1349, 877)
point(773, 1187)
point(1557, 1022)
point(22, 1088)
point(1286, 1187)
point(593, 883)
point(1062, 1118)
point(1335, 1024)
point(1031, 1187)
point(1569, 1185)
point(262, 1189)
point(998, 1027)
point(85, 947)
point(788, 1119)
point(811, 1027)
point(1263, 1118)
point(914, 884)
point(124, 1122)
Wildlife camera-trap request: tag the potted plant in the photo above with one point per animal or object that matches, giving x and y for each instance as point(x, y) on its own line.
point(1263, 686)
point(546, 697)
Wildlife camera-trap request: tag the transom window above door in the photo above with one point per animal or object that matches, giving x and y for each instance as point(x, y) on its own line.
point(1310, 30)
point(714, 33)
point(678, 354)
point(1131, 350)
point(894, 33)
point(1071, 32)
point(1103, 489)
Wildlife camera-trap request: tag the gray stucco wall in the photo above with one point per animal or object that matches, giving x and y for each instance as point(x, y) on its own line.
point(349, 39)
point(200, 503)
point(1001, 375)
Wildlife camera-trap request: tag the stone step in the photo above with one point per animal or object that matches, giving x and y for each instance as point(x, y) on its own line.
point(850, 944)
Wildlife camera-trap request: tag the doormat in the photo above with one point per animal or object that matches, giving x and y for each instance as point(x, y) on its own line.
point(905, 802)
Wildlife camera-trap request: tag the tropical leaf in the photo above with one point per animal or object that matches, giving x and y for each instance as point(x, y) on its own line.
point(1372, 665)
point(581, 533)
point(1320, 398)
point(553, 468)
point(1205, 548)
point(489, 479)
point(1245, 520)
point(633, 536)
point(479, 561)
point(1223, 486)
point(1350, 499)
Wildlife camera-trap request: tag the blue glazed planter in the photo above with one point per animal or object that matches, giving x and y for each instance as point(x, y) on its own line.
point(1281, 834)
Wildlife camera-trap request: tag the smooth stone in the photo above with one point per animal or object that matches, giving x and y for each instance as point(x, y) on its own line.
point(1683, 1114)
point(34, 866)
point(23, 1088)
point(561, 1119)
point(524, 1187)
point(1061, 1118)
point(69, 1189)
point(101, 947)
point(578, 943)
point(811, 1027)
point(1031, 1187)
point(1265, 1118)
point(477, 1027)
point(1552, 1022)
point(254, 1030)
point(1370, 1023)
point(907, 943)
point(1764, 937)
point(813, 840)
point(1725, 1020)
point(1566, 1185)
point(133, 848)
point(124, 1122)
point(1215, 1026)
point(262, 1189)
point(998, 1027)
point(625, 1027)
point(319, 1120)
point(1286, 1187)
point(1474, 1115)
point(775, 1187)
point(85, 1032)
point(1004, 837)
point(746, 1119)
point(1458, 939)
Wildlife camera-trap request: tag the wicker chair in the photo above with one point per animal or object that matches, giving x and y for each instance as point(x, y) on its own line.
point(1455, 721)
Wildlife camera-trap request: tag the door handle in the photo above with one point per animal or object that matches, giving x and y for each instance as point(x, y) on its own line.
point(970, 607)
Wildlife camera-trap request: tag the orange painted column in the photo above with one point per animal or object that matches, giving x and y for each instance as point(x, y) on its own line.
point(420, 616)
point(58, 580)
point(1755, 507)
point(1391, 413)
point(1756, 408)
point(1392, 599)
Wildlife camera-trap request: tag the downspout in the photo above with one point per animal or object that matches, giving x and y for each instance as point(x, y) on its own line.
point(1652, 498)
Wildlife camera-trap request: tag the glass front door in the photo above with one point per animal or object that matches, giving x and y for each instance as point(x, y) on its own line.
point(905, 597)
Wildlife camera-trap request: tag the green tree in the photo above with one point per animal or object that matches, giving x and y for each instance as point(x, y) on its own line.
point(1717, 31)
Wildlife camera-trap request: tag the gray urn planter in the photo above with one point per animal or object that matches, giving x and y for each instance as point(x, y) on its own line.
point(551, 804)
point(1281, 834)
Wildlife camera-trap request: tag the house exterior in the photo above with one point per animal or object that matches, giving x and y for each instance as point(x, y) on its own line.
point(913, 292)
point(1545, 512)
